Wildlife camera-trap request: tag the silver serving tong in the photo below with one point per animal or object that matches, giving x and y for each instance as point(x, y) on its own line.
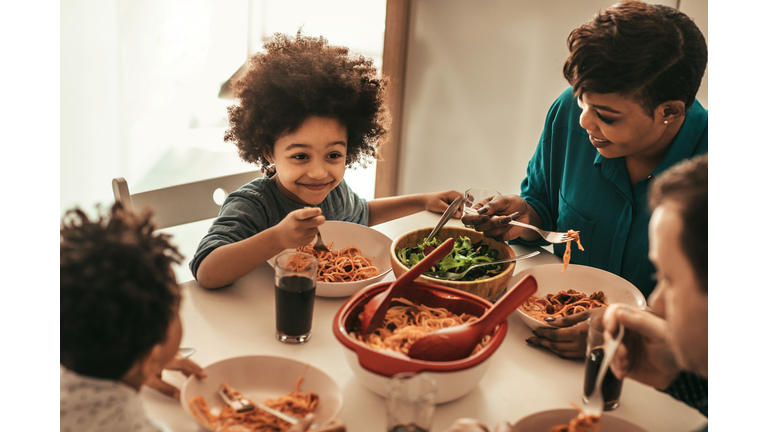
point(446, 215)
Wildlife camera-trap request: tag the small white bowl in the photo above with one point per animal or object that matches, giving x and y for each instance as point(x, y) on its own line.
point(263, 377)
point(373, 244)
point(581, 278)
point(546, 420)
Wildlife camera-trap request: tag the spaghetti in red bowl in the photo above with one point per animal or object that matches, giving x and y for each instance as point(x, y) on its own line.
point(373, 366)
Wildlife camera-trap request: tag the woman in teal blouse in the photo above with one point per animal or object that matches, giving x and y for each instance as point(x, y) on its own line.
point(630, 113)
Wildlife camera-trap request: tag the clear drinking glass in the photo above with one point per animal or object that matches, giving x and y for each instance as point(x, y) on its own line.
point(474, 199)
point(410, 402)
point(295, 284)
point(611, 385)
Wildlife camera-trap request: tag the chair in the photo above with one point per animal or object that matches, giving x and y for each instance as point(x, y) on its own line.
point(185, 203)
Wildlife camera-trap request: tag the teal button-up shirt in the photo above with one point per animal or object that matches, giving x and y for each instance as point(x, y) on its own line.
point(572, 186)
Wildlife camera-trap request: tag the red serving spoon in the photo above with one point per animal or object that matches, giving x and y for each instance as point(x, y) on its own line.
point(376, 308)
point(456, 343)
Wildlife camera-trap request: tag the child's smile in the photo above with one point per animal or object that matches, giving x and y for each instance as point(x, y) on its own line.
point(311, 161)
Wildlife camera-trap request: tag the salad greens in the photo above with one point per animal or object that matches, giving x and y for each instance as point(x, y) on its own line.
point(463, 255)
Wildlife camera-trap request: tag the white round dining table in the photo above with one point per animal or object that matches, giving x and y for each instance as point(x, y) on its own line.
point(239, 320)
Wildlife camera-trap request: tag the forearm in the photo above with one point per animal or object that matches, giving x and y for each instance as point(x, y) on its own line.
point(386, 209)
point(229, 263)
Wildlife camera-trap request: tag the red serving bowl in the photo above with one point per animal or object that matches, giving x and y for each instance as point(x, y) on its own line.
point(373, 366)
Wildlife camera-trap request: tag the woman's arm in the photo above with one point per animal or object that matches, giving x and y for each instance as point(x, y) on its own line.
point(386, 209)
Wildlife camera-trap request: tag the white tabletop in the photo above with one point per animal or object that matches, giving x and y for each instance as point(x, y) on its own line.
point(240, 320)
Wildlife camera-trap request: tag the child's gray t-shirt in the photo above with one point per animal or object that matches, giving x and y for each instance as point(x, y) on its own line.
point(259, 205)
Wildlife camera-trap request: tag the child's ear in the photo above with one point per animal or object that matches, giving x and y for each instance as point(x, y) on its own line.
point(268, 156)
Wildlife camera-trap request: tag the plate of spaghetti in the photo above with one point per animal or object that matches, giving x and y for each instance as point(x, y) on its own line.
point(576, 290)
point(572, 420)
point(358, 257)
point(290, 386)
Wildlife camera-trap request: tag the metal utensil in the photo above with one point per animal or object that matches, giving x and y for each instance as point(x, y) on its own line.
point(376, 308)
point(454, 343)
point(550, 236)
point(596, 402)
point(319, 245)
point(444, 218)
point(241, 404)
point(186, 352)
point(459, 276)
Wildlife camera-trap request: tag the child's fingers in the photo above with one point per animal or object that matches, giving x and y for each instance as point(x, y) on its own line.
point(308, 213)
point(163, 387)
point(188, 367)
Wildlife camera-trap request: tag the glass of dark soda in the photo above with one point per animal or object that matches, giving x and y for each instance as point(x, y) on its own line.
point(611, 385)
point(410, 402)
point(295, 284)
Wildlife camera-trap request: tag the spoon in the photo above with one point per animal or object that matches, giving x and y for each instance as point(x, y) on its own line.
point(456, 343)
point(596, 401)
point(459, 276)
point(376, 308)
point(444, 218)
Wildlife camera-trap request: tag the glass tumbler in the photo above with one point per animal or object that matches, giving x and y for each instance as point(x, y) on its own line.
point(474, 199)
point(410, 402)
point(611, 385)
point(295, 284)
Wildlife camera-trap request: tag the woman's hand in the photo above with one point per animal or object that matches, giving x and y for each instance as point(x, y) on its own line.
point(569, 338)
point(334, 426)
point(645, 354)
point(178, 363)
point(472, 425)
point(299, 227)
point(438, 202)
point(494, 216)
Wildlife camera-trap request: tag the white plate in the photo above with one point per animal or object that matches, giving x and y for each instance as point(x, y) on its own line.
point(581, 278)
point(544, 421)
point(264, 377)
point(373, 244)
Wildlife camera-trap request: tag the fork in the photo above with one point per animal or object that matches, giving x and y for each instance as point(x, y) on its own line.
point(459, 276)
point(550, 236)
point(596, 402)
point(319, 245)
point(241, 404)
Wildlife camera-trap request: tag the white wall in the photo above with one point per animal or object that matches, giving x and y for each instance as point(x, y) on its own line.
point(480, 78)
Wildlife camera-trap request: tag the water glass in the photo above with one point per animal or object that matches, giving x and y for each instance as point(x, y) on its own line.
point(611, 385)
point(474, 199)
point(295, 284)
point(410, 402)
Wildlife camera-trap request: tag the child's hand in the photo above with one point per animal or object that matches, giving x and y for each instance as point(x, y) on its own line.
point(438, 202)
point(299, 227)
point(178, 363)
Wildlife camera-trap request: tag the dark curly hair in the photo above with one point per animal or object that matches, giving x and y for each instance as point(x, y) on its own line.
point(653, 53)
point(118, 291)
point(300, 77)
point(686, 184)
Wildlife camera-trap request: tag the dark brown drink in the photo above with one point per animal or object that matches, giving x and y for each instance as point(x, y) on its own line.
point(295, 300)
point(407, 428)
point(611, 385)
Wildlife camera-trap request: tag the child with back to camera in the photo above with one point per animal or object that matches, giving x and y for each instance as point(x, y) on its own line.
point(120, 323)
point(307, 110)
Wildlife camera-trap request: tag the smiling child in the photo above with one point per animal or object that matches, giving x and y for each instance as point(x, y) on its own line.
point(307, 111)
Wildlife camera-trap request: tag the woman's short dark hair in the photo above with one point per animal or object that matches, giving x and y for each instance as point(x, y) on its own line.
point(295, 78)
point(118, 291)
point(653, 53)
point(686, 185)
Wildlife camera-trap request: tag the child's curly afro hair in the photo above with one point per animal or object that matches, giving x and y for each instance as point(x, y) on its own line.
point(303, 76)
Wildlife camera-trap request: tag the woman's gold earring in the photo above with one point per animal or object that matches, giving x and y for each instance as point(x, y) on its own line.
point(666, 121)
